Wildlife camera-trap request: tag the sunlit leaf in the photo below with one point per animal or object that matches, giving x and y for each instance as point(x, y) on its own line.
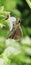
point(1, 9)
point(29, 3)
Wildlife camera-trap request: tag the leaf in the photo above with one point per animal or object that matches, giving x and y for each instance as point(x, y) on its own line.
point(1, 9)
point(29, 3)
point(16, 13)
point(2, 44)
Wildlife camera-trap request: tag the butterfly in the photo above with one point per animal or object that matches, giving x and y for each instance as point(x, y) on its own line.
point(16, 32)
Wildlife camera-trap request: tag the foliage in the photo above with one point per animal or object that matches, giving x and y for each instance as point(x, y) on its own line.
point(15, 52)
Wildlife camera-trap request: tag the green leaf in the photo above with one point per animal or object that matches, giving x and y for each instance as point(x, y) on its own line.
point(2, 44)
point(16, 13)
point(1, 9)
point(29, 3)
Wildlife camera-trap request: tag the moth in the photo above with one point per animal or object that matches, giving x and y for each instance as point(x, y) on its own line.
point(15, 30)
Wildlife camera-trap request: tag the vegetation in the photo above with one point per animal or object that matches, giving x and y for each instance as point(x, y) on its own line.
point(14, 52)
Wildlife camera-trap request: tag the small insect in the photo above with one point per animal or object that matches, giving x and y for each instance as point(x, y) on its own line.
point(15, 28)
